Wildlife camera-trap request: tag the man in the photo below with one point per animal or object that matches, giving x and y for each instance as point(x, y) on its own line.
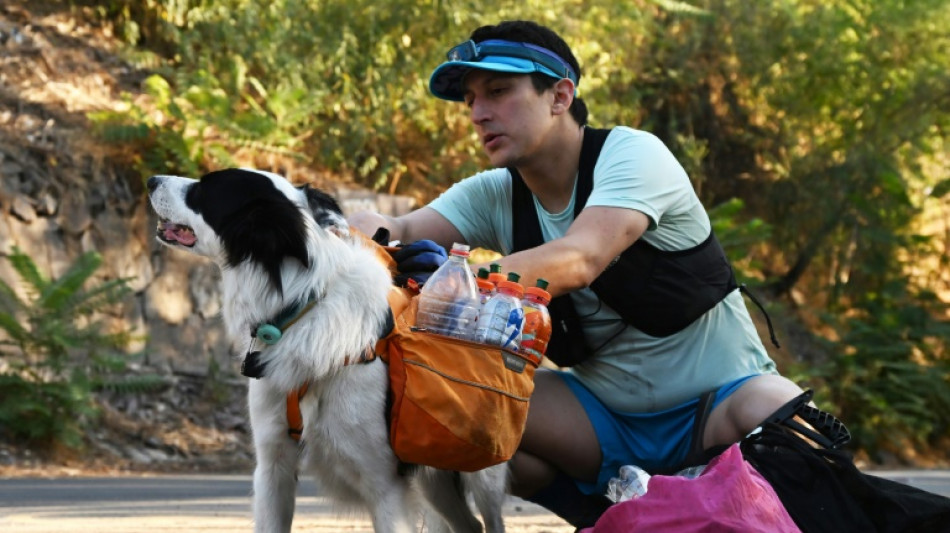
point(666, 345)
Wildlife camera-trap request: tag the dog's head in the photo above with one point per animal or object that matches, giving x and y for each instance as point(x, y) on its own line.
point(236, 215)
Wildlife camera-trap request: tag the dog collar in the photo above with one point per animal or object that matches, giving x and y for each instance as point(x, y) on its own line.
point(272, 331)
point(252, 366)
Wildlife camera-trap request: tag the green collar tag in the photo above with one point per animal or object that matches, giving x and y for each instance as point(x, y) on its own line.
point(268, 334)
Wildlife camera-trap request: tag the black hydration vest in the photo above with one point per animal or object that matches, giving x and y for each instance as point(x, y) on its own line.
point(658, 292)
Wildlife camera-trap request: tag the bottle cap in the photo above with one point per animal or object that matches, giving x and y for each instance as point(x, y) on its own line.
point(495, 275)
point(459, 249)
point(513, 287)
point(514, 276)
point(542, 283)
point(484, 284)
point(539, 293)
point(482, 273)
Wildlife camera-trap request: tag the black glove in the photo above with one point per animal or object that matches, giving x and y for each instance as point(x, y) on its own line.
point(381, 237)
point(417, 261)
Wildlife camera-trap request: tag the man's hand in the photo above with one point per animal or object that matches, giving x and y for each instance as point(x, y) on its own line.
point(417, 261)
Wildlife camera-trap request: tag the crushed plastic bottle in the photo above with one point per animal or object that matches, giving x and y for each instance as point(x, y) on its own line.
point(631, 484)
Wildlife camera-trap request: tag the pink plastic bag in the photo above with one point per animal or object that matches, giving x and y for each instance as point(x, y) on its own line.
point(729, 495)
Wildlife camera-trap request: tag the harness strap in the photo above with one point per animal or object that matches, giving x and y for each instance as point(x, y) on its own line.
point(703, 408)
point(294, 417)
point(398, 300)
point(568, 344)
point(698, 454)
point(367, 356)
point(745, 290)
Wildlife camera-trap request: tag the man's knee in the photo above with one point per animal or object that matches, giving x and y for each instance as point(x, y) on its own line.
point(529, 474)
point(747, 407)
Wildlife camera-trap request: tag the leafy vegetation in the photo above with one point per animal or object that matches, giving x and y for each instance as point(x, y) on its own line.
point(56, 351)
point(891, 370)
point(815, 131)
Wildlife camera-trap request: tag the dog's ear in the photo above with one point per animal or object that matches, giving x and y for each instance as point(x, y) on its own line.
point(267, 231)
point(326, 211)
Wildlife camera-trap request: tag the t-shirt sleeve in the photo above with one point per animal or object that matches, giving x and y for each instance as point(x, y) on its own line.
point(637, 171)
point(480, 209)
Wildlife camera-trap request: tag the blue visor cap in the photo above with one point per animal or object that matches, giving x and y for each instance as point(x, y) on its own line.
point(498, 56)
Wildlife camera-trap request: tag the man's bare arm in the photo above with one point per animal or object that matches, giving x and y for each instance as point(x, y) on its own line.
point(574, 261)
point(423, 223)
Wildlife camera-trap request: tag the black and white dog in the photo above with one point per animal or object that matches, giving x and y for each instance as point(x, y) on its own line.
point(287, 257)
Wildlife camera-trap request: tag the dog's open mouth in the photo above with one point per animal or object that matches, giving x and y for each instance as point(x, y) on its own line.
point(175, 233)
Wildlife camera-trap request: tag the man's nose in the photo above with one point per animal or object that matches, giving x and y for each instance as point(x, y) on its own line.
point(479, 112)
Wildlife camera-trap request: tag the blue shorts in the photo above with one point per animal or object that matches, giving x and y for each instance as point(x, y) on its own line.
point(652, 441)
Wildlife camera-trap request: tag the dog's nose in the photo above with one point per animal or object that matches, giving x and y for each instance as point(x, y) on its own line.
point(153, 183)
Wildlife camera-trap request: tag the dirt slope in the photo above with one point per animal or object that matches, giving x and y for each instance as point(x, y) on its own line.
point(57, 65)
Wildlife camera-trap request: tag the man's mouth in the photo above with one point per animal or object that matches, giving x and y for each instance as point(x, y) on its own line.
point(489, 140)
point(172, 233)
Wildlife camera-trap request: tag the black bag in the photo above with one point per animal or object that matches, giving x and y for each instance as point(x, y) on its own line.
point(823, 490)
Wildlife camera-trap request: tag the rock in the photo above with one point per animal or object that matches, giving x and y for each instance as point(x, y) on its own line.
point(46, 205)
point(43, 242)
point(22, 208)
point(168, 297)
point(124, 252)
point(204, 287)
point(6, 238)
point(74, 215)
point(10, 171)
point(352, 201)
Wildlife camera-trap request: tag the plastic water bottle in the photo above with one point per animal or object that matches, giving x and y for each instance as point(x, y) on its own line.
point(448, 303)
point(502, 318)
point(537, 319)
point(486, 289)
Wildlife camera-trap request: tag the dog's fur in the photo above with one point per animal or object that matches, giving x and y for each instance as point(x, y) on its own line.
point(276, 244)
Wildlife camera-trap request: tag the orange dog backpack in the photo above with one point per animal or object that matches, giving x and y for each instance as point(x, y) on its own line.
point(457, 405)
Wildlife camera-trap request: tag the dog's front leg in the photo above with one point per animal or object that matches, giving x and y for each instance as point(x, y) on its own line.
point(391, 512)
point(276, 454)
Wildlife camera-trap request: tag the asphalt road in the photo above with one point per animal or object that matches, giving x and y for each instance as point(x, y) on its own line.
point(182, 504)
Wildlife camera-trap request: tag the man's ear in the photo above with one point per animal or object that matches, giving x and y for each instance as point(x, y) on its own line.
point(563, 96)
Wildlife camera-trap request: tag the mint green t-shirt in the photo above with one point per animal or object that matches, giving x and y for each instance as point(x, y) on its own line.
point(629, 371)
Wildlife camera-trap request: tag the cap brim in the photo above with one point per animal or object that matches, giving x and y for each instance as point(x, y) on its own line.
point(446, 79)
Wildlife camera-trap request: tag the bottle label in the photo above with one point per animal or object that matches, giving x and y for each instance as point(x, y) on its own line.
point(501, 324)
point(536, 333)
point(513, 328)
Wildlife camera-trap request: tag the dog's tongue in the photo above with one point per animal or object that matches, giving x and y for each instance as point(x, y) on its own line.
point(183, 234)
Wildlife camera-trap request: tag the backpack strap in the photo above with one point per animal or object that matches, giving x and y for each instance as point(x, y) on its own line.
point(822, 428)
point(567, 346)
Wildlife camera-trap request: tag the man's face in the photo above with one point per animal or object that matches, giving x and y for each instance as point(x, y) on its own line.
point(509, 116)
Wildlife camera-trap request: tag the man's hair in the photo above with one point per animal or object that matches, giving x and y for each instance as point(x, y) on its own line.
point(526, 31)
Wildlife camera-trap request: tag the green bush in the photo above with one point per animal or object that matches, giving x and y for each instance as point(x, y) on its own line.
point(55, 352)
point(888, 377)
